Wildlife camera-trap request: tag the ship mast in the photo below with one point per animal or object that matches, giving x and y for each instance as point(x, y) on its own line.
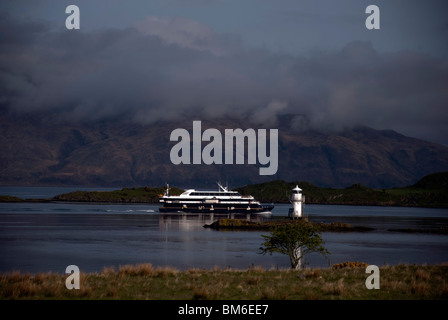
point(167, 191)
point(222, 187)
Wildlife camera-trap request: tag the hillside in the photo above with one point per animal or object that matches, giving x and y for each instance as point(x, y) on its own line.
point(40, 152)
point(125, 195)
point(430, 191)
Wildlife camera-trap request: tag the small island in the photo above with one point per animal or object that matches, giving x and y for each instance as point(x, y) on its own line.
point(239, 224)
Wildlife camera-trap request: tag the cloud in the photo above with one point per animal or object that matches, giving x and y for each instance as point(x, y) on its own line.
point(267, 115)
point(405, 91)
point(183, 32)
point(172, 68)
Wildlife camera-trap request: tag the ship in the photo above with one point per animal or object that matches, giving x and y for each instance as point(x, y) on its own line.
point(221, 201)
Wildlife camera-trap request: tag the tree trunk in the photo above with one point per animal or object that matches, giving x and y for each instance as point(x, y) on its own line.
point(295, 259)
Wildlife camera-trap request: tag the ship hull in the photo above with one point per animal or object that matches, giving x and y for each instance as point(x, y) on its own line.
point(215, 208)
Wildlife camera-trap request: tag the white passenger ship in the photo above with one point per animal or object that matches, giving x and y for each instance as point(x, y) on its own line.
point(222, 201)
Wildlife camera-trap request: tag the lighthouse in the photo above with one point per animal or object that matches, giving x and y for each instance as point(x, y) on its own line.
point(297, 200)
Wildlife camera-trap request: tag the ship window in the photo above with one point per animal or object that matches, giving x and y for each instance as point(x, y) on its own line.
point(217, 194)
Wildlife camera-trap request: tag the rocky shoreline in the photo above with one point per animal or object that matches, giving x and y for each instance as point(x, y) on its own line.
point(239, 224)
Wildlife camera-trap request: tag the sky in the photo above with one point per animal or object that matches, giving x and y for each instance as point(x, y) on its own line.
point(148, 60)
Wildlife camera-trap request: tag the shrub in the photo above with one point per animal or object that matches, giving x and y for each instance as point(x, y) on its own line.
point(350, 264)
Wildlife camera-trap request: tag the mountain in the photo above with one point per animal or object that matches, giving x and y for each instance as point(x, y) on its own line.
point(125, 154)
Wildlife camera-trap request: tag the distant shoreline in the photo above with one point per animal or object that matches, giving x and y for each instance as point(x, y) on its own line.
point(429, 192)
point(14, 199)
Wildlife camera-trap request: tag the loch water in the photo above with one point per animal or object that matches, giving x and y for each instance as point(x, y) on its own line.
point(44, 237)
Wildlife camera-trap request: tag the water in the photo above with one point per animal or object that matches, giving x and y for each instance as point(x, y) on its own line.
point(41, 237)
point(44, 192)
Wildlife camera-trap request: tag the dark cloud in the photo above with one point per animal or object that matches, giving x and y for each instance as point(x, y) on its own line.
point(165, 69)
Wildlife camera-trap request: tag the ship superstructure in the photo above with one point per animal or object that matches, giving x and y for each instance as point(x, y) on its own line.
point(220, 201)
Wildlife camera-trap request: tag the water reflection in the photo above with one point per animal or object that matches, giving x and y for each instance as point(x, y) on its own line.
point(194, 221)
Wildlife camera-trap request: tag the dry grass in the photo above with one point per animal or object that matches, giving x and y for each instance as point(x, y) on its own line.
point(144, 281)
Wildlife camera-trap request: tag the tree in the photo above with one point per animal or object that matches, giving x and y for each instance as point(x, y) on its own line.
point(295, 240)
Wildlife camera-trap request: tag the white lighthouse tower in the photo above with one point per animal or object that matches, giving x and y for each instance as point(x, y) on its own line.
point(297, 200)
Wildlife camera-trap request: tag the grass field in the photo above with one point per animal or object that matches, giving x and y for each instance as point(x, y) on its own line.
point(343, 281)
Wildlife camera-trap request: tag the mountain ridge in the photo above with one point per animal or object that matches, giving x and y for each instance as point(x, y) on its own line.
point(126, 154)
